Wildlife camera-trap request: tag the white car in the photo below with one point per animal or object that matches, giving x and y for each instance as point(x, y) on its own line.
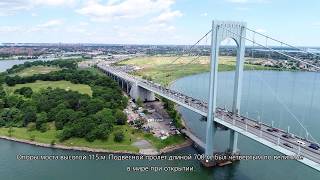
point(301, 143)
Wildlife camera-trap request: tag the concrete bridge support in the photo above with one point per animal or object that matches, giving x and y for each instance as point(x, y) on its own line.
point(145, 95)
point(233, 146)
point(220, 31)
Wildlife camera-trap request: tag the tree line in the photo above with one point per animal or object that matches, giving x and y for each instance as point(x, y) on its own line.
point(74, 114)
point(69, 64)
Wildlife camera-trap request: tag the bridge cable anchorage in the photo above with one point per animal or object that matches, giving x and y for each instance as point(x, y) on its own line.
point(276, 51)
point(283, 43)
point(270, 88)
point(189, 50)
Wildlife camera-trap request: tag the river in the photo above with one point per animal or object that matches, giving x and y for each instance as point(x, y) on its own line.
point(13, 169)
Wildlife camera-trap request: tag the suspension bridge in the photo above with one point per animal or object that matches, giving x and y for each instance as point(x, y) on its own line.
point(278, 139)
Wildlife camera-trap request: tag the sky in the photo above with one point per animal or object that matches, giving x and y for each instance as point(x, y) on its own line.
point(153, 21)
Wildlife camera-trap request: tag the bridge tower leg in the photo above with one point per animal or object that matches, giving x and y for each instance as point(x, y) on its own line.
point(238, 85)
point(212, 90)
point(220, 31)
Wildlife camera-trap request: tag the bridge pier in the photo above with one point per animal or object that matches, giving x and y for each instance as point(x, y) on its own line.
point(233, 146)
point(139, 92)
point(122, 84)
point(127, 84)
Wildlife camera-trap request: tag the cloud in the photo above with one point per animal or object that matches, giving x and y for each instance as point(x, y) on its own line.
point(51, 25)
point(242, 8)
point(316, 24)
point(247, 1)
point(126, 9)
point(11, 7)
point(9, 29)
point(204, 14)
point(53, 2)
point(238, 1)
point(82, 23)
point(167, 16)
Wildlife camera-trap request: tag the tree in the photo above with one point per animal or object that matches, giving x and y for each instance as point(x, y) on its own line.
point(102, 131)
point(43, 127)
point(53, 113)
point(118, 136)
point(64, 116)
point(94, 106)
point(31, 127)
point(2, 93)
point(104, 116)
point(42, 118)
point(11, 115)
point(13, 101)
point(29, 112)
point(25, 91)
point(1, 104)
point(77, 115)
point(90, 136)
point(139, 102)
point(121, 117)
point(66, 133)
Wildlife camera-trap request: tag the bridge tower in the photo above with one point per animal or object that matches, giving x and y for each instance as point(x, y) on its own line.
point(220, 31)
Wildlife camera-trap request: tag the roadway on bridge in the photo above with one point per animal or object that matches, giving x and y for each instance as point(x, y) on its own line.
point(277, 139)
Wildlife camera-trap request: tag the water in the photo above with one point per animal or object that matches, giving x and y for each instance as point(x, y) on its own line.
point(266, 95)
point(7, 64)
point(286, 98)
point(13, 169)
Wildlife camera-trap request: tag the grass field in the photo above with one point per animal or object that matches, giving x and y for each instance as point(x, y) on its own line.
point(37, 70)
point(164, 69)
point(50, 135)
point(130, 136)
point(159, 144)
point(36, 86)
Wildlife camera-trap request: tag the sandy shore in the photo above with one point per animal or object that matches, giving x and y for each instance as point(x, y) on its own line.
point(93, 150)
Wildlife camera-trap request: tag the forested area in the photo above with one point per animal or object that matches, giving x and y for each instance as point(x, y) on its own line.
point(173, 113)
point(75, 114)
point(69, 64)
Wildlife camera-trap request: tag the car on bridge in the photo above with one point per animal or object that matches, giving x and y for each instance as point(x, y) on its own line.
point(273, 130)
point(288, 145)
point(301, 143)
point(287, 135)
point(314, 146)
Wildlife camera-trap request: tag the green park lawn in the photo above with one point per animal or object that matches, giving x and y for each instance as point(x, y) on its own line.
point(52, 135)
point(165, 69)
point(130, 136)
point(37, 70)
point(36, 86)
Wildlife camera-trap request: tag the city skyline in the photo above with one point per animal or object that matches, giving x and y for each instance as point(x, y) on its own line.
point(151, 22)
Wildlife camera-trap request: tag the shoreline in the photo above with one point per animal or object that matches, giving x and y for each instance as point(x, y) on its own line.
point(167, 149)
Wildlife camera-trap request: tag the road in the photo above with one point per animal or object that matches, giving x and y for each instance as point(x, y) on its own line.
point(246, 126)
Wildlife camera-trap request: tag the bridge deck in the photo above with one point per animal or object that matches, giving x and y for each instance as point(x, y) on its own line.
point(259, 132)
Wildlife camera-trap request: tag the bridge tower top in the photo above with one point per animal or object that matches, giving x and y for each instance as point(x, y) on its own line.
point(229, 29)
